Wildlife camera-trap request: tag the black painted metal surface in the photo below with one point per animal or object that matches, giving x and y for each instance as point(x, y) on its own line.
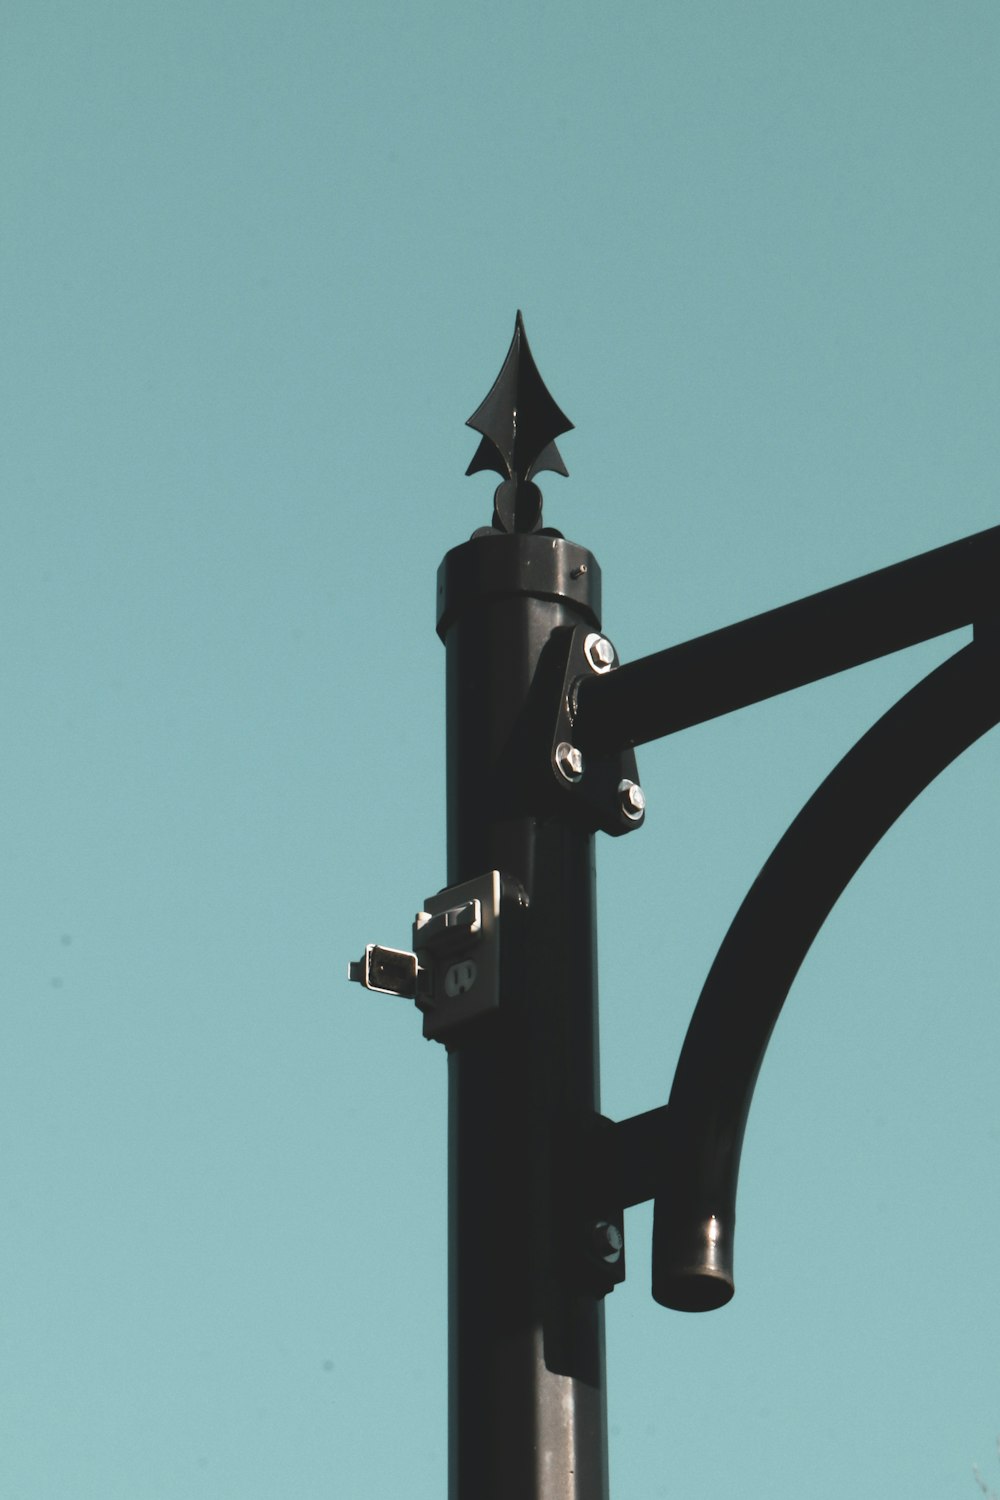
point(519, 422)
point(527, 1398)
point(788, 647)
point(876, 781)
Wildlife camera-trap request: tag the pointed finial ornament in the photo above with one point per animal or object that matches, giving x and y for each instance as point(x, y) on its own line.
point(519, 422)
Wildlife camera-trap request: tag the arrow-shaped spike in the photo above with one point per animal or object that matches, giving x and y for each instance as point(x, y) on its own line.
point(519, 422)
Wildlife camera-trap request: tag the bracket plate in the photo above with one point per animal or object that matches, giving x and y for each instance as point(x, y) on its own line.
point(605, 787)
point(457, 940)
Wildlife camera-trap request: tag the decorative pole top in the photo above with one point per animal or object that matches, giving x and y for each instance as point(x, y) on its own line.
point(519, 422)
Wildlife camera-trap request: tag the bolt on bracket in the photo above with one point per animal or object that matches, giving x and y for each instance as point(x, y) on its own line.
point(588, 1208)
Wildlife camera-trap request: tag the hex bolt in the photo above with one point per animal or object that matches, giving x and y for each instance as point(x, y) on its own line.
point(606, 1241)
point(569, 761)
point(599, 652)
point(633, 800)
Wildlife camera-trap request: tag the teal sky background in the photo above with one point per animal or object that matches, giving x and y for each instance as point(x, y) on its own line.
point(258, 264)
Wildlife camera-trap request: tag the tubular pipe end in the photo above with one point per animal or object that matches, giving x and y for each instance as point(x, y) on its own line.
point(692, 1262)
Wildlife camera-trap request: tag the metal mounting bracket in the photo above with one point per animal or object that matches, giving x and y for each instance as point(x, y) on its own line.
point(589, 1207)
point(605, 786)
point(453, 971)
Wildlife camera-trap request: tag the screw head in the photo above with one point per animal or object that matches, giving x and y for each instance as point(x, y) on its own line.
point(569, 761)
point(606, 1241)
point(633, 800)
point(599, 652)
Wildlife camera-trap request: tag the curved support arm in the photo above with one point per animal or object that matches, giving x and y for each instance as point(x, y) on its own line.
point(761, 953)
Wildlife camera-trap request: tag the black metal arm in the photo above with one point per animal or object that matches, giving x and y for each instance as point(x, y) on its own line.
point(785, 648)
point(702, 1127)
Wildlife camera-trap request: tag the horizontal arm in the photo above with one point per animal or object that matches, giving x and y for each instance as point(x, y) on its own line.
point(788, 647)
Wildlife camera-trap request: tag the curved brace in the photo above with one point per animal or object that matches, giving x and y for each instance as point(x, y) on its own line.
point(761, 953)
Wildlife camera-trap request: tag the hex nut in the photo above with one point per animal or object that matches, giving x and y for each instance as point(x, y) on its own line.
point(607, 1242)
point(599, 652)
point(633, 799)
point(569, 761)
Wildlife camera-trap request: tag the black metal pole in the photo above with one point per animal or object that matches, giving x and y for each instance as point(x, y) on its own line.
point(526, 1338)
point(526, 1352)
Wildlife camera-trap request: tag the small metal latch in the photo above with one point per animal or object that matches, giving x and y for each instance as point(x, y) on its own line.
point(450, 928)
point(388, 971)
point(453, 973)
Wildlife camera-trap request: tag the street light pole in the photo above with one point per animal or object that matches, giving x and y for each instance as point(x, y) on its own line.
point(527, 1397)
point(541, 724)
point(530, 1257)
